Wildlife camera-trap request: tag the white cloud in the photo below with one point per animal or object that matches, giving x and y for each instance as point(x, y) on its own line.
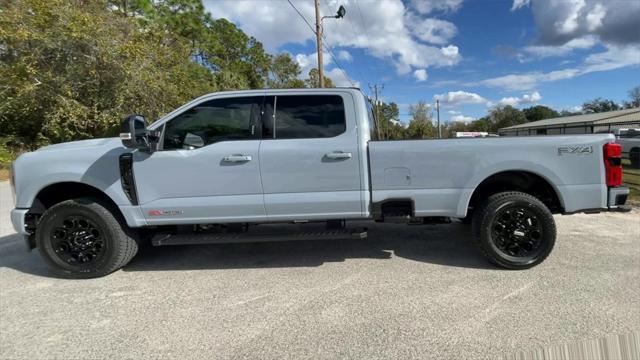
point(420, 75)
point(427, 6)
point(340, 79)
point(529, 80)
point(560, 21)
point(450, 51)
point(431, 30)
point(517, 4)
point(385, 31)
point(344, 55)
point(459, 97)
point(541, 51)
point(614, 57)
point(525, 99)
point(461, 118)
point(595, 17)
point(310, 61)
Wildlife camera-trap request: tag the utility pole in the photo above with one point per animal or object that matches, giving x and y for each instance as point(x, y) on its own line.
point(339, 15)
point(319, 45)
point(375, 88)
point(438, 112)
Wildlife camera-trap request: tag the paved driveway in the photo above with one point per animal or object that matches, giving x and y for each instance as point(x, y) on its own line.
point(407, 291)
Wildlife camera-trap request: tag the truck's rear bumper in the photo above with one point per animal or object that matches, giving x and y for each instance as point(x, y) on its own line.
point(616, 199)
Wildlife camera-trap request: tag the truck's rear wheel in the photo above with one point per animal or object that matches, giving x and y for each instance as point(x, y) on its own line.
point(514, 230)
point(82, 238)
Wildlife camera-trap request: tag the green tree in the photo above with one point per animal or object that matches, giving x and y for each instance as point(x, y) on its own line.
point(420, 126)
point(450, 129)
point(539, 112)
point(634, 98)
point(388, 126)
point(284, 72)
point(599, 105)
point(238, 61)
point(483, 124)
point(312, 80)
point(61, 80)
point(506, 116)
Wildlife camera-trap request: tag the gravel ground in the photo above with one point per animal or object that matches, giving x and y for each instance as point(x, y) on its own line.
point(406, 292)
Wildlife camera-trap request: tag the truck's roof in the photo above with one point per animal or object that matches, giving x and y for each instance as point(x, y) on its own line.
point(256, 92)
point(284, 91)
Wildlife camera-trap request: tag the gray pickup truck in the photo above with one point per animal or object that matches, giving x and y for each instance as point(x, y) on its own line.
point(222, 166)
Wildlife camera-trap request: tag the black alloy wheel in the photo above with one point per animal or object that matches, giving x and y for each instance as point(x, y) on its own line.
point(77, 240)
point(514, 230)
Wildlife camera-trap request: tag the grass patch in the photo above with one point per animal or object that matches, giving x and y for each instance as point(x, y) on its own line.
point(6, 157)
point(631, 178)
point(4, 174)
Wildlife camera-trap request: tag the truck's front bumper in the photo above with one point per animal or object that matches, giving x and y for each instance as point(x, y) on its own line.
point(18, 220)
point(617, 197)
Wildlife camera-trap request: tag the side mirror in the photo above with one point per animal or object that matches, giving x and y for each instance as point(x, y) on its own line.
point(134, 134)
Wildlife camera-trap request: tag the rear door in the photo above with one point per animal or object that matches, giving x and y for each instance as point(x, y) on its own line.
point(207, 169)
point(309, 157)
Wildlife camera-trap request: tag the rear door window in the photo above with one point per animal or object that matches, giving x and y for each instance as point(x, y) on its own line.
point(303, 117)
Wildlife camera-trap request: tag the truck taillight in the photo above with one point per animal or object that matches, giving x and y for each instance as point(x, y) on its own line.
point(613, 164)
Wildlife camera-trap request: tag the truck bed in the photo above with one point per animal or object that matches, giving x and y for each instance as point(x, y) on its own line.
point(441, 175)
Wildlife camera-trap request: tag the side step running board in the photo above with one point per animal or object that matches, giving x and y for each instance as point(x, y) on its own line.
point(209, 238)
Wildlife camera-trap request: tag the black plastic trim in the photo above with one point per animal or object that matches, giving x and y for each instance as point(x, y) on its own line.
point(127, 179)
point(376, 207)
point(621, 199)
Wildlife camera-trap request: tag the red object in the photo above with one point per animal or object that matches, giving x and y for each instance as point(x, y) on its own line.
point(155, 212)
point(613, 164)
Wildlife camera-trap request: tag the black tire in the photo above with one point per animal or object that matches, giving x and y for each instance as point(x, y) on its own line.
point(82, 238)
point(514, 230)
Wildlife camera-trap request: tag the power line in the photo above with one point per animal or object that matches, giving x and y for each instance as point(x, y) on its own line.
point(302, 16)
point(365, 32)
point(357, 69)
point(339, 66)
point(375, 88)
point(323, 45)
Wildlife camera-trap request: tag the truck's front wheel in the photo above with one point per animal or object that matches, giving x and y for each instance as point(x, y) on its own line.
point(514, 230)
point(82, 238)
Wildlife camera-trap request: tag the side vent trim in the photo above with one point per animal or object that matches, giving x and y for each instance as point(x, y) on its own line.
point(127, 179)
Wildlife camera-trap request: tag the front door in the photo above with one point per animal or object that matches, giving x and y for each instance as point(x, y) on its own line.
point(207, 169)
point(309, 158)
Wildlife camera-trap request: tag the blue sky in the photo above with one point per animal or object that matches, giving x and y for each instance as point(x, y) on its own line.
point(470, 54)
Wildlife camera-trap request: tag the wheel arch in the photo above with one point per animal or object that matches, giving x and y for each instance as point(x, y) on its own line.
point(526, 181)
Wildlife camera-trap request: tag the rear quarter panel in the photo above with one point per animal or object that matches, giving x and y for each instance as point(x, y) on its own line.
point(440, 175)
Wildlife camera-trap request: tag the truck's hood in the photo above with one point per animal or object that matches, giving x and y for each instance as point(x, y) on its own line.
point(84, 144)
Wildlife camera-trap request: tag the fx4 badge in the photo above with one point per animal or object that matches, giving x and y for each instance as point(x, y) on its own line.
point(575, 150)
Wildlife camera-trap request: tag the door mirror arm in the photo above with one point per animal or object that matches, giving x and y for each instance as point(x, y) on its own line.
point(134, 134)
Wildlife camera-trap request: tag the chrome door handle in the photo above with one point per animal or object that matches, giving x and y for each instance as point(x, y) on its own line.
point(337, 155)
point(236, 158)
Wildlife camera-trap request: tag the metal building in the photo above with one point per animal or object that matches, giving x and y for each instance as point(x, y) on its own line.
point(578, 124)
